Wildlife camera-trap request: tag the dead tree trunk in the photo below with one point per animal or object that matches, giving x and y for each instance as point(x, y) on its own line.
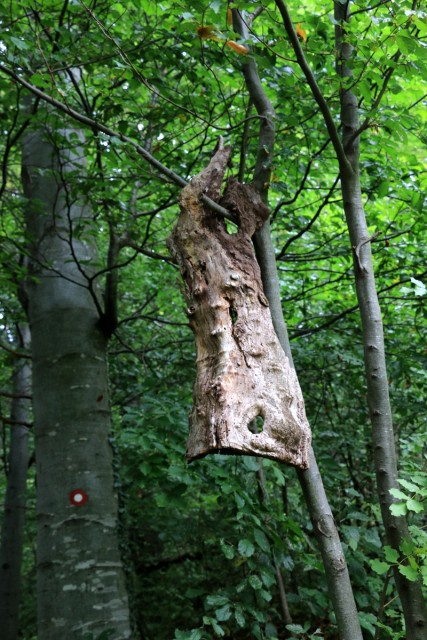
point(243, 377)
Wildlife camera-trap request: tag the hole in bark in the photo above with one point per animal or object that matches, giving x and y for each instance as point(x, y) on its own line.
point(233, 315)
point(256, 425)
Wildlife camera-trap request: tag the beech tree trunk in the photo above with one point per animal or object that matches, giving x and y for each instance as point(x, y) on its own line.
point(12, 535)
point(81, 585)
point(243, 375)
point(396, 529)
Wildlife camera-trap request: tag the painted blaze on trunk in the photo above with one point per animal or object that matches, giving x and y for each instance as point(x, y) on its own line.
point(247, 399)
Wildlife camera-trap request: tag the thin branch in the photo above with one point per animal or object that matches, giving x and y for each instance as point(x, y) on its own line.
point(16, 354)
point(105, 31)
point(93, 124)
point(374, 6)
point(303, 181)
point(315, 89)
point(367, 121)
point(5, 420)
point(311, 222)
point(15, 396)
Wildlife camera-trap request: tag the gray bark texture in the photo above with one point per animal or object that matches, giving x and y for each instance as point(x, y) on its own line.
point(326, 532)
point(242, 372)
point(338, 579)
point(396, 529)
point(12, 535)
point(81, 585)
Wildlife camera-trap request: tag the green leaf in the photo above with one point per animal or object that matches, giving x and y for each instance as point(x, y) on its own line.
point(194, 634)
point(391, 555)
point(240, 618)
point(255, 582)
point(261, 540)
point(227, 549)
point(216, 601)
point(216, 627)
point(409, 573)
point(215, 5)
point(224, 613)
point(383, 188)
point(398, 509)
point(414, 505)
point(20, 44)
point(295, 628)
point(265, 595)
point(396, 493)
point(410, 486)
point(379, 567)
point(420, 290)
point(367, 621)
point(407, 547)
point(246, 548)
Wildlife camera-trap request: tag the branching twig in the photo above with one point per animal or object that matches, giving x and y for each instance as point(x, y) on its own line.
point(97, 126)
point(315, 89)
point(357, 248)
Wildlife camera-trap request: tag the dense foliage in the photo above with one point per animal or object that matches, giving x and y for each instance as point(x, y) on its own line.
point(203, 543)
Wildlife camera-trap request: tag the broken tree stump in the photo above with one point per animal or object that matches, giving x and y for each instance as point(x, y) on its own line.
point(247, 399)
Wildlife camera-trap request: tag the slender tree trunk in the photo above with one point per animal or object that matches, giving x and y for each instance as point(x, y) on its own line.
point(396, 528)
point(338, 579)
point(14, 509)
point(337, 576)
point(81, 585)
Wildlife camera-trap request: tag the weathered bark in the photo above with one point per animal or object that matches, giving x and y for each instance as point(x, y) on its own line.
point(396, 529)
point(81, 585)
point(242, 371)
point(12, 535)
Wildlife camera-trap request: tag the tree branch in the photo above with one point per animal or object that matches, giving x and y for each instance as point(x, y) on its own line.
point(311, 222)
point(97, 126)
point(315, 89)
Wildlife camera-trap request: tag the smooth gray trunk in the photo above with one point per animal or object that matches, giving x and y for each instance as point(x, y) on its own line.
point(396, 529)
point(336, 571)
point(81, 586)
point(338, 579)
point(12, 535)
